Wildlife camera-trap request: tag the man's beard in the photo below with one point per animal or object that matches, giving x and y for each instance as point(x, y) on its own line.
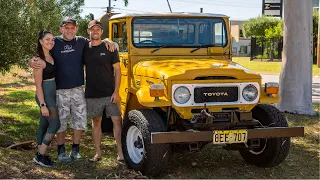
point(68, 36)
point(95, 38)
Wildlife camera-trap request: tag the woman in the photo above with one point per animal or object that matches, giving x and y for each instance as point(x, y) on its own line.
point(46, 98)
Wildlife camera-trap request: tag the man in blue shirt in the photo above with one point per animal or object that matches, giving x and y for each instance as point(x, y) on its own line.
point(67, 53)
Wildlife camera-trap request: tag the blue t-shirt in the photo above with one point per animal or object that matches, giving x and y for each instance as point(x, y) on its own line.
point(67, 56)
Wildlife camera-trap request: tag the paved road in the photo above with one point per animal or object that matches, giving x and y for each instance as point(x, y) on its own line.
point(315, 85)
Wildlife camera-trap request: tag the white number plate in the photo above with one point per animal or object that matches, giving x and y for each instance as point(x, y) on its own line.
point(230, 136)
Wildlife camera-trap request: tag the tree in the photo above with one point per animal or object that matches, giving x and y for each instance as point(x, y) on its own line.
point(315, 35)
point(83, 25)
point(126, 2)
point(263, 29)
point(296, 71)
point(20, 23)
point(71, 8)
point(256, 27)
point(274, 34)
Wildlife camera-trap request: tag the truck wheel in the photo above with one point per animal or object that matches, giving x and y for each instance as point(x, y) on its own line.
point(271, 151)
point(139, 153)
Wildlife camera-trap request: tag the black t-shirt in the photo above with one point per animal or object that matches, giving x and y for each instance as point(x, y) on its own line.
point(99, 70)
point(67, 57)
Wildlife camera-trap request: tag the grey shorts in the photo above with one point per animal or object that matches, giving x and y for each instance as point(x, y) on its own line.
point(72, 105)
point(96, 106)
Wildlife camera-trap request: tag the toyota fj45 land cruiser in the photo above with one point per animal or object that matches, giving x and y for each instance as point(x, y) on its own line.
point(179, 85)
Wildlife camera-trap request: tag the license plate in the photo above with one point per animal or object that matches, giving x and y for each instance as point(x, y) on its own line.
point(230, 136)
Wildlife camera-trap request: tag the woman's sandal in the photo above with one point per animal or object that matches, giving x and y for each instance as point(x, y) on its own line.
point(95, 159)
point(120, 161)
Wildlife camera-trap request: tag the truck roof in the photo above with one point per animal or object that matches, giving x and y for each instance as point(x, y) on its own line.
point(177, 14)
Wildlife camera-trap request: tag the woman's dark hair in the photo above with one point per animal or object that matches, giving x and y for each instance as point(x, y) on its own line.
point(39, 48)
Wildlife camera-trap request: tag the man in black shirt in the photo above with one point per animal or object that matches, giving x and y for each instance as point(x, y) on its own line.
point(102, 87)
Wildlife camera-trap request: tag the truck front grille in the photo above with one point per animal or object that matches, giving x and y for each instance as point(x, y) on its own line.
point(216, 94)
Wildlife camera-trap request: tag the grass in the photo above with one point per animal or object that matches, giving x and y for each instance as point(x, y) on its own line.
point(19, 121)
point(266, 67)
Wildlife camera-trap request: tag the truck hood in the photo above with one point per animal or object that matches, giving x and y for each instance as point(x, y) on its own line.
point(189, 69)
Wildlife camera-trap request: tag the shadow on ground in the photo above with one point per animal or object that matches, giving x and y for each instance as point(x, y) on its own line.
point(214, 162)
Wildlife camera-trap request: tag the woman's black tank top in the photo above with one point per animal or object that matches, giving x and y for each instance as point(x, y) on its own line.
point(49, 71)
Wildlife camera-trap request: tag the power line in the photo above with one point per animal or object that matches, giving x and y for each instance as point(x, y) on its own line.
point(180, 4)
point(148, 6)
point(130, 10)
point(220, 3)
point(94, 7)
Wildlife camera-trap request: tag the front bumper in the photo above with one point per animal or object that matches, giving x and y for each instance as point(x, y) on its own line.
point(179, 137)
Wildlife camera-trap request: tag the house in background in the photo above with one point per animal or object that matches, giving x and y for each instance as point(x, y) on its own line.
point(316, 4)
point(241, 46)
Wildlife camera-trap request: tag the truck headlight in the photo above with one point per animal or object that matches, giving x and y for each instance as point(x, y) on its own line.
point(250, 92)
point(181, 95)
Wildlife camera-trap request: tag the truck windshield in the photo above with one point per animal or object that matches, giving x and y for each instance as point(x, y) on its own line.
point(177, 32)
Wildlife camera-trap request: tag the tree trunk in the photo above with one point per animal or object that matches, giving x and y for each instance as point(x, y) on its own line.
point(296, 71)
point(262, 50)
point(271, 50)
point(273, 47)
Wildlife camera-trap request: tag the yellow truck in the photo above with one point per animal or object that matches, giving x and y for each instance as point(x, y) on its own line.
point(179, 85)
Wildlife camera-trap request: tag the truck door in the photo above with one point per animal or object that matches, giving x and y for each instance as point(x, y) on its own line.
point(119, 35)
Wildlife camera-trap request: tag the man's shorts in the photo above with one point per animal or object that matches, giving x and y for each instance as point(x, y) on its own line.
point(72, 105)
point(96, 106)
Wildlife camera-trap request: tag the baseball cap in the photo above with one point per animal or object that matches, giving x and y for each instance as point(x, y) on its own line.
point(94, 23)
point(68, 21)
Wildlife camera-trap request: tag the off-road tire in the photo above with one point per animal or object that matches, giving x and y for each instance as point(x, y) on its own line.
point(156, 156)
point(276, 149)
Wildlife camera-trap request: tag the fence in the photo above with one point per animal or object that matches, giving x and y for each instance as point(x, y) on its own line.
point(262, 49)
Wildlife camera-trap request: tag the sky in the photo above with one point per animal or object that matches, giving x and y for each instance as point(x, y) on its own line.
point(235, 9)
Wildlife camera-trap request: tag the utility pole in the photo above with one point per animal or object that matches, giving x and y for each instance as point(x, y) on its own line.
point(109, 7)
point(296, 70)
point(168, 5)
point(318, 44)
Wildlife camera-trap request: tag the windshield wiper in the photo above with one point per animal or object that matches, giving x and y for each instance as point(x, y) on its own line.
point(158, 48)
point(201, 46)
point(165, 45)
